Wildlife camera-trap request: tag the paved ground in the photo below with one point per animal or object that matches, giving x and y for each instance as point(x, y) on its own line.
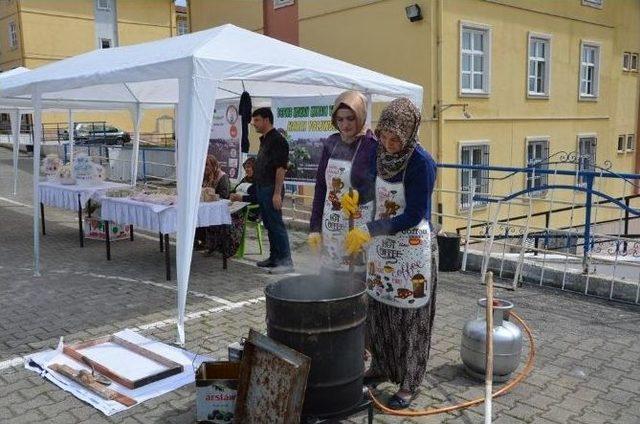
point(588, 350)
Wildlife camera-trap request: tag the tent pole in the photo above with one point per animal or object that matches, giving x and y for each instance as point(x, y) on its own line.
point(137, 119)
point(37, 138)
point(15, 133)
point(71, 130)
point(195, 112)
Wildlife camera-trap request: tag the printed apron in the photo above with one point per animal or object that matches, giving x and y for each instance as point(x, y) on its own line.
point(334, 224)
point(399, 265)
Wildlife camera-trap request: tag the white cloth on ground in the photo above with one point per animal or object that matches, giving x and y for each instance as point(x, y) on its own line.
point(187, 359)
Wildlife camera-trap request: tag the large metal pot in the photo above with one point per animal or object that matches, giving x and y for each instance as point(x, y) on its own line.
point(323, 317)
point(507, 342)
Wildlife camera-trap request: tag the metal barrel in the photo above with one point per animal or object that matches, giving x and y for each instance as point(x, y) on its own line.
point(323, 317)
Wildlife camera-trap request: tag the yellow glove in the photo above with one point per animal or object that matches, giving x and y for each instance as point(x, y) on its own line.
point(350, 203)
point(355, 240)
point(314, 241)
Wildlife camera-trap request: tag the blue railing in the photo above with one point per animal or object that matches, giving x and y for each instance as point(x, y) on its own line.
point(586, 178)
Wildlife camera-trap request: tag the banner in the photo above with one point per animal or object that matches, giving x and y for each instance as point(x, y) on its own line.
point(224, 140)
point(306, 124)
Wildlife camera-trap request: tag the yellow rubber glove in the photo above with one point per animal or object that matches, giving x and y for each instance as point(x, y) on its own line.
point(314, 241)
point(350, 203)
point(355, 240)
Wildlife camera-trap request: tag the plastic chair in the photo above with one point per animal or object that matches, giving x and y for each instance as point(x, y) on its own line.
point(247, 223)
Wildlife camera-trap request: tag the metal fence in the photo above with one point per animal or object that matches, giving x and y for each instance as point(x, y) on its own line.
point(564, 222)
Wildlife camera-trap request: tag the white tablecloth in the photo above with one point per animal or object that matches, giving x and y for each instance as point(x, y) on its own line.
point(66, 196)
point(161, 218)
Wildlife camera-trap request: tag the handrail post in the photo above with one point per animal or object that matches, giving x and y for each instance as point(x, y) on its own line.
point(587, 223)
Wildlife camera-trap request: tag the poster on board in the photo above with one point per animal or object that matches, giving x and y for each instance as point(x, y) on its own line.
point(224, 140)
point(306, 124)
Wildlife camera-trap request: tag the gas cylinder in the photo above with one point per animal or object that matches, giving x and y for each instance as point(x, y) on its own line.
point(507, 342)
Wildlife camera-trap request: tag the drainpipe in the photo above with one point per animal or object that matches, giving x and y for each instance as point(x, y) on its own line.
point(438, 101)
point(637, 165)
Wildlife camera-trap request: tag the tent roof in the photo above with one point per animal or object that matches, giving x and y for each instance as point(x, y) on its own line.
point(148, 72)
point(24, 103)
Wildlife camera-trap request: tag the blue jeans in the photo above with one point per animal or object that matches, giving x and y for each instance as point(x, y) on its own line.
point(280, 252)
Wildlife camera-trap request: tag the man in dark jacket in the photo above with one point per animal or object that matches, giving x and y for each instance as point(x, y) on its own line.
point(271, 165)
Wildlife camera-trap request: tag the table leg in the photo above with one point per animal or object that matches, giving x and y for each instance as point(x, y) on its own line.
point(167, 257)
point(131, 232)
point(107, 239)
point(80, 230)
point(161, 242)
point(42, 218)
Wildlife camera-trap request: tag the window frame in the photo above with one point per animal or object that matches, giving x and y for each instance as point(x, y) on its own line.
point(277, 4)
point(626, 61)
point(547, 60)
point(485, 151)
point(593, 159)
point(13, 35)
point(543, 140)
point(486, 59)
point(633, 59)
point(101, 40)
point(185, 23)
point(596, 4)
point(106, 8)
point(619, 149)
point(596, 70)
point(630, 147)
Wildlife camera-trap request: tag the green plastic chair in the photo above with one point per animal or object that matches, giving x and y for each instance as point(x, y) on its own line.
point(247, 223)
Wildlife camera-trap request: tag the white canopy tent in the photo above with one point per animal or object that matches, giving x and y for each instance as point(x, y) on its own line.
point(193, 71)
point(17, 106)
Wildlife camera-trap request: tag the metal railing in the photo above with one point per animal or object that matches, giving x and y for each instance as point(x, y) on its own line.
point(580, 236)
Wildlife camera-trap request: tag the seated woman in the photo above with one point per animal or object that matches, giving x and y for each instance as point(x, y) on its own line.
point(216, 235)
point(245, 190)
point(216, 179)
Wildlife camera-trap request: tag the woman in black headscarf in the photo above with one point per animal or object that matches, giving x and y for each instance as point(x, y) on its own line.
point(401, 254)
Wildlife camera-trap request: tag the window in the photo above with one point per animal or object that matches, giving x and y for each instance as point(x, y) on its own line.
point(586, 155)
point(537, 156)
point(13, 35)
point(593, 3)
point(105, 43)
point(634, 62)
point(183, 26)
point(282, 3)
point(103, 5)
point(539, 65)
point(589, 70)
point(631, 142)
point(475, 64)
point(473, 179)
point(621, 141)
point(626, 61)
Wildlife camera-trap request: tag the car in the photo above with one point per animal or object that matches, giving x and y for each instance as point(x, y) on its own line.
point(100, 133)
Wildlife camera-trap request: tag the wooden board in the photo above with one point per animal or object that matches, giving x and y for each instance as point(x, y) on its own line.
point(169, 367)
point(86, 380)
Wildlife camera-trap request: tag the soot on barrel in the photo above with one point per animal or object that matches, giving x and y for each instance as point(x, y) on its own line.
point(323, 317)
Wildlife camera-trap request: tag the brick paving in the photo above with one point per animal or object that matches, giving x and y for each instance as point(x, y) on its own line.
point(588, 349)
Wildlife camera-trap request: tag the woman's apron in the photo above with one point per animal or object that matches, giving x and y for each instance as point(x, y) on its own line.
point(399, 265)
point(334, 224)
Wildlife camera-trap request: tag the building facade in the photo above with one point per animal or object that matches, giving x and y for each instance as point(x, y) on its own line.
point(507, 82)
point(40, 32)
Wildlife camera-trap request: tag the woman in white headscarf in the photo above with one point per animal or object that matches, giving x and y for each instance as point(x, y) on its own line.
point(346, 163)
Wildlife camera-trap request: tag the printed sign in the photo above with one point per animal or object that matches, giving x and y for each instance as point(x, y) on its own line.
point(306, 124)
point(224, 140)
